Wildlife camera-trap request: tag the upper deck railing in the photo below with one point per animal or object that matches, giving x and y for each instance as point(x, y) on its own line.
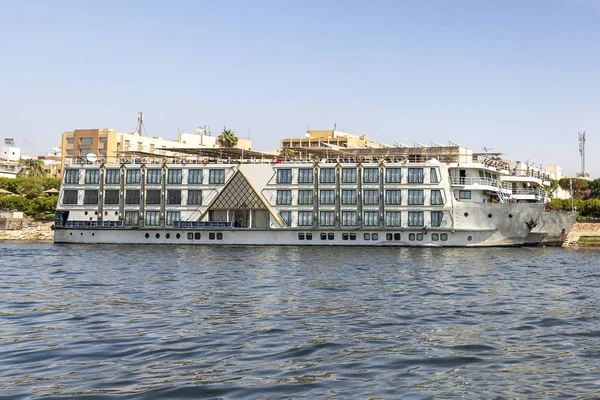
point(468, 181)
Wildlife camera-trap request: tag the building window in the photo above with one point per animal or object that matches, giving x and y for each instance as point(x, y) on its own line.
point(132, 197)
point(464, 194)
point(415, 175)
point(348, 175)
point(133, 176)
point(371, 218)
point(327, 218)
point(152, 196)
point(102, 139)
point(174, 176)
point(70, 196)
point(305, 175)
point(436, 198)
point(433, 178)
point(348, 218)
point(172, 216)
point(393, 218)
point(111, 196)
point(286, 216)
point(154, 176)
point(348, 197)
point(90, 197)
point(194, 197)
point(393, 197)
point(70, 140)
point(436, 218)
point(371, 175)
point(92, 176)
point(132, 218)
point(327, 175)
point(416, 218)
point(173, 196)
point(152, 218)
point(371, 197)
point(284, 175)
point(71, 175)
point(195, 176)
point(216, 176)
point(86, 141)
point(305, 218)
point(393, 175)
point(305, 197)
point(113, 176)
point(284, 197)
point(70, 152)
point(416, 197)
point(327, 197)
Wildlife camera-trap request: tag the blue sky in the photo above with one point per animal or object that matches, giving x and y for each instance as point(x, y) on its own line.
point(521, 77)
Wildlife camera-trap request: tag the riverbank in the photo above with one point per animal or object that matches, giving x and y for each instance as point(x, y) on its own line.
point(584, 234)
point(34, 232)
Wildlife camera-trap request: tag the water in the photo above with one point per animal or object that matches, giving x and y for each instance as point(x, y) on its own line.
point(285, 322)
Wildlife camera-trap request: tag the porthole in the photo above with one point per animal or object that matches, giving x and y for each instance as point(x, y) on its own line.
point(147, 235)
point(81, 233)
point(466, 214)
point(95, 212)
point(309, 236)
point(330, 236)
point(375, 236)
point(157, 235)
point(85, 213)
point(197, 236)
point(178, 236)
point(116, 213)
point(469, 238)
point(219, 235)
point(93, 234)
point(344, 236)
point(367, 236)
point(106, 213)
point(435, 237)
point(168, 235)
point(353, 236)
point(323, 236)
point(71, 233)
point(489, 215)
point(510, 215)
point(211, 236)
point(301, 236)
point(411, 236)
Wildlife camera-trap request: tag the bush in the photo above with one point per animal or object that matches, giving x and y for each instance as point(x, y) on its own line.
point(41, 207)
point(14, 203)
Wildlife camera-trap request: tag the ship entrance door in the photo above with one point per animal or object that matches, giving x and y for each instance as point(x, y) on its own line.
point(462, 175)
point(240, 218)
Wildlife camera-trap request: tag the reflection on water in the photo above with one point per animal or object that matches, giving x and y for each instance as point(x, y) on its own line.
point(281, 322)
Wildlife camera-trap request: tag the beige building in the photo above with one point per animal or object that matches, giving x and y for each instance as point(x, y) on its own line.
point(52, 165)
point(330, 138)
point(111, 146)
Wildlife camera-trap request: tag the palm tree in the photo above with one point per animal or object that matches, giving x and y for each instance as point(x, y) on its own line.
point(227, 138)
point(31, 167)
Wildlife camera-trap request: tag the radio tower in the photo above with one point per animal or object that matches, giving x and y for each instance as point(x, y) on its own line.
point(140, 124)
point(582, 153)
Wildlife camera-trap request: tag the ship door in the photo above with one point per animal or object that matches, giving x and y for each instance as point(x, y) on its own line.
point(462, 175)
point(241, 218)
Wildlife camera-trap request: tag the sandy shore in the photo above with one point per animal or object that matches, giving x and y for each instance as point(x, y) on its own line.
point(37, 232)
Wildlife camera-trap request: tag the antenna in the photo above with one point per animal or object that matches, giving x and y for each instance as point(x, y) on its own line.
point(486, 149)
point(582, 153)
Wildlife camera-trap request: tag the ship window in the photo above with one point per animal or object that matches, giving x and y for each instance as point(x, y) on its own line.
point(396, 236)
point(433, 178)
point(216, 176)
point(71, 175)
point(344, 236)
point(327, 175)
point(411, 236)
point(469, 238)
point(284, 197)
point(416, 197)
point(348, 218)
point(375, 236)
point(194, 197)
point(353, 236)
point(132, 218)
point(305, 197)
point(197, 236)
point(152, 196)
point(416, 218)
point(444, 237)
point(371, 175)
point(219, 235)
point(70, 196)
point(190, 235)
point(113, 176)
point(284, 175)
point(323, 236)
point(286, 216)
point(367, 236)
point(305, 218)
point(111, 196)
point(388, 236)
point(393, 175)
point(371, 197)
point(211, 236)
point(132, 197)
point(330, 236)
point(152, 218)
point(133, 176)
point(173, 196)
point(415, 175)
point(348, 196)
point(419, 236)
point(178, 236)
point(195, 176)
point(436, 198)
point(147, 235)
point(168, 235)
point(301, 236)
point(172, 217)
point(309, 236)
point(327, 197)
point(393, 218)
point(371, 218)
point(393, 197)
point(90, 197)
point(435, 237)
point(174, 176)
point(305, 175)
point(464, 194)
point(92, 176)
point(327, 218)
point(348, 175)
point(489, 215)
point(158, 235)
point(436, 218)
point(154, 176)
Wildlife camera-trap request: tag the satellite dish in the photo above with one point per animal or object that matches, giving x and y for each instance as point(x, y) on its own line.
point(91, 157)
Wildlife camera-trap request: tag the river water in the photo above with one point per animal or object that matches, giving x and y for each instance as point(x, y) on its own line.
point(290, 322)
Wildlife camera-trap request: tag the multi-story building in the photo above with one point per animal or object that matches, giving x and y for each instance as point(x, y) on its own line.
point(330, 138)
point(10, 152)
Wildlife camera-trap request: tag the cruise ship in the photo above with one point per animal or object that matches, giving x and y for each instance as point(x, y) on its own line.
point(324, 196)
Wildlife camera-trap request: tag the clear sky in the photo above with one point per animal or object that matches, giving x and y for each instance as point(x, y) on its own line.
point(520, 77)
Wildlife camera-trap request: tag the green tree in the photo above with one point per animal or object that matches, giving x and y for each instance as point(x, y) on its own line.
point(9, 184)
point(14, 203)
point(41, 207)
point(553, 187)
point(31, 167)
point(30, 187)
point(579, 185)
point(227, 138)
point(51, 183)
point(594, 187)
